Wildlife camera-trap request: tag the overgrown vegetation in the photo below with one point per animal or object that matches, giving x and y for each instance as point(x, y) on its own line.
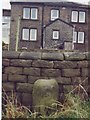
point(72, 107)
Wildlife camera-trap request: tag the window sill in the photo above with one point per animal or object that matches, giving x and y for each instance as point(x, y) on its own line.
point(30, 19)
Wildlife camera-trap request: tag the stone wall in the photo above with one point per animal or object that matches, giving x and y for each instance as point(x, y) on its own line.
point(22, 69)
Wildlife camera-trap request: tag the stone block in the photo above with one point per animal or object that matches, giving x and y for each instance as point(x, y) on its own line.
point(13, 70)
point(31, 71)
point(30, 55)
point(51, 72)
point(4, 77)
point(24, 87)
point(83, 64)
point(65, 64)
point(22, 63)
point(52, 56)
point(26, 99)
point(8, 86)
point(5, 62)
point(17, 78)
point(74, 56)
point(71, 72)
point(63, 80)
point(42, 64)
point(84, 72)
point(10, 54)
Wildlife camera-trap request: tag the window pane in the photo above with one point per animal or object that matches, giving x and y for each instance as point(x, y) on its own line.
point(74, 16)
point(54, 14)
point(26, 13)
point(74, 37)
point(33, 34)
point(80, 37)
point(81, 17)
point(55, 34)
point(33, 13)
point(25, 34)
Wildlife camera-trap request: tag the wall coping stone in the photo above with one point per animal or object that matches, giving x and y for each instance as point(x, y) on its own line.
point(42, 55)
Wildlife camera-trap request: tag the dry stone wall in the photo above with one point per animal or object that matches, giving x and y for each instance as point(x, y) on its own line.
point(22, 69)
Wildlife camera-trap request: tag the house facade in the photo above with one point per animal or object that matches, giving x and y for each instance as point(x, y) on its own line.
point(41, 24)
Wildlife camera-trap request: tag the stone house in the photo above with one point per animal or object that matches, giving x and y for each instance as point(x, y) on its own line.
point(37, 24)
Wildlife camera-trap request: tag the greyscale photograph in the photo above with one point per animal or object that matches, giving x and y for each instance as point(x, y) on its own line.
point(45, 59)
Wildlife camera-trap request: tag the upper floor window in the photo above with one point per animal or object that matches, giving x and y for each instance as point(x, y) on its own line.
point(33, 13)
point(54, 14)
point(33, 34)
point(78, 16)
point(26, 13)
point(30, 13)
point(56, 34)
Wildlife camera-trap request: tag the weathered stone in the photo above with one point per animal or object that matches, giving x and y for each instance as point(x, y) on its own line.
point(68, 88)
point(22, 63)
point(26, 99)
point(82, 64)
point(5, 62)
point(13, 70)
point(63, 80)
point(71, 72)
point(30, 55)
point(85, 72)
point(4, 77)
point(17, 78)
point(32, 71)
point(65, 64)
point(45, 93)
point(74, 56)
point(42, 64)
point(51, 72)
point(8, 86)
point(24, 87)
point(52, 56)
point(10, 54)
point(87, 55)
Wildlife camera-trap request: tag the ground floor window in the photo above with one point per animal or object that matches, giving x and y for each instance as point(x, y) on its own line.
point(55, 34)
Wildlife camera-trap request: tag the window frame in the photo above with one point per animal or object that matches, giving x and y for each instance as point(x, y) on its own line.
point(78, 21)
point(75, 37)
point(28, 35)
point(81, 42)
point(36, 34)
point(31, 13)
point(58, 14)
point(72, 17)
point(56, 38)
point(23, 13)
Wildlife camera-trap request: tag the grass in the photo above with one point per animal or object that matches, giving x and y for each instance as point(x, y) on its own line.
point(72, 107)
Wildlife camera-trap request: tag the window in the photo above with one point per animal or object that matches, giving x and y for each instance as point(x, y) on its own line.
point(26, 13)
point(33, 34)
point(74, 37)
point(25, 34)
point(78, 16)
point(54, 14)
point(74, 16)
point(81, 17)
point(55, 34)
point(33, 13)
point(80, 37)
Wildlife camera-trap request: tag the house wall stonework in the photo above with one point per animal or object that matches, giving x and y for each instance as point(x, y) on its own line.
point(22, 69)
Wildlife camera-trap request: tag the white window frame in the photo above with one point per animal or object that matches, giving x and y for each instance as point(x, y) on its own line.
point(55, 32)
point(82, 20)
point(75, 37)
point(57, 16)
point(73, 17)
point(24, 12)
point(35, 36)
point(23, 34)
point(36, 12)
point(83, 37)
